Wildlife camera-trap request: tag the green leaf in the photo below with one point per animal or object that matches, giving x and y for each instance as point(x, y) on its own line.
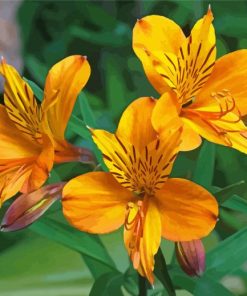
point(160, 270)
point(120, 38)
point(208, 287)
point(116, 90)
point(86, 111)
point(227, 256)
point(78, 126)
point(224, 194)
point(204, 171)
point(90, 121)
point(108, 284)
point(86, 244)
point(236, 203)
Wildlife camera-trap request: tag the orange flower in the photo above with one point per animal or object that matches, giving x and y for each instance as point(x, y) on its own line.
point(208, 95)
point(137, 192)
point(30, 134)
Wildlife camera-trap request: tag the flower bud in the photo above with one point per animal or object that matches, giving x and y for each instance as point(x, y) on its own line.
point(191, 257)
point(28, 207)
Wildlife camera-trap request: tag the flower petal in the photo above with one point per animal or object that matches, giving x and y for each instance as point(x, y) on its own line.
point(196, 59)
point(142, 249)
point(165, 116)
point(40, 167)
point(188, 211)
point(228, 131)
point(20, 103)
point(156, 33)
point(13, 143)
point(135, 124)
point(63, 84)
point(229, 73)
point(95, 202)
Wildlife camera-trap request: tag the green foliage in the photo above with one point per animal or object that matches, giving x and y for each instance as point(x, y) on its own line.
point(52, 258)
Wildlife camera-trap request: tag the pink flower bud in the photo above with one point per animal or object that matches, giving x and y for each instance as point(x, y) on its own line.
point(28, 207)
point(191, 257)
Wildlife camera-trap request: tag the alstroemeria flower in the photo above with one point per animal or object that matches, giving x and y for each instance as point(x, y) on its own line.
point(209, 96)
point(137, 191)
point(32, 136)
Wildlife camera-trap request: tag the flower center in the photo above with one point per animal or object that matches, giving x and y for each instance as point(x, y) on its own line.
point(224, 111)
point(142, 173)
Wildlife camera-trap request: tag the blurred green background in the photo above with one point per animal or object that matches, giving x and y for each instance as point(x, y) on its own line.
point(52, 259)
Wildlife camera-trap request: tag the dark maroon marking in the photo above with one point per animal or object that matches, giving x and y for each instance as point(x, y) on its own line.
point(202, 79)
point(173, 157)
point(197, 54)
point(170, 60)
point(146, 153)
point(166, 166)
point(119, 156)
point(160, 158)
point(127, 182)
point(106, 157)
point(134, 153)
point(164, 176)
point(210, 66)
point(121, 144)
point(157, 144)
point(207, 57)
point(23, 104)
point(165, 76)
point(181, 51)
point(117, 167)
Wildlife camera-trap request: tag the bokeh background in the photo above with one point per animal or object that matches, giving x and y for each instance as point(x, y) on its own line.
point(52, 259)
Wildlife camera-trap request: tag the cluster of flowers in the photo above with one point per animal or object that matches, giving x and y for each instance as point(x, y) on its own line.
point(200, 97)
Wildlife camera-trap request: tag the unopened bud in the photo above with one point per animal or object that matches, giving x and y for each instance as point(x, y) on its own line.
point(191, 257)
point(28, 207)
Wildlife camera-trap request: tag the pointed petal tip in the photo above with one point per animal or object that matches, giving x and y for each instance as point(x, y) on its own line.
point(209, 12)
point(90, 129)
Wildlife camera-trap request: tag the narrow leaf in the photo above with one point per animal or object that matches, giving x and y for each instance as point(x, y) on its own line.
point(236, 203)
point(204, 170)
point(225, 193)
point(162, 274)
point(108, 284)
point(227, 256)
point(208, 287)
point(85, 243)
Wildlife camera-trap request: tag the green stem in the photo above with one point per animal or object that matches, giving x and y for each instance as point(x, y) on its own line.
point(162, 274)
point(142, 286)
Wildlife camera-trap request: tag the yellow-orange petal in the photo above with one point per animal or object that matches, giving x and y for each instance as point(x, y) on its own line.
point(166, 113)
point(229, 131)
point(196, 59)
point(142, 249)
point(190, 138)
point(187, 210)
point(229, 73)
point(20, 102)
point(135, 124)
point(95, 202)
point(40, 167)
point(11, 181)
point(156, 33)
point(13, 143)
point(63, 84)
